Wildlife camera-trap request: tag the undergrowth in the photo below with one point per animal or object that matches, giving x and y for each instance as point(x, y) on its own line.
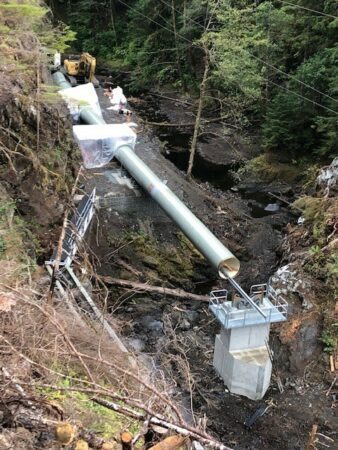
point(267, 168)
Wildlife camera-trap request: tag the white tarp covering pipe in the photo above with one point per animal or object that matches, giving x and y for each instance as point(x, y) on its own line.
point(80, 97)
point(226, 264)
point(99, 143)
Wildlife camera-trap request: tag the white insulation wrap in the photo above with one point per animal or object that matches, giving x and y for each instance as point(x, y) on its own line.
point(79, 97)
point(98, 143)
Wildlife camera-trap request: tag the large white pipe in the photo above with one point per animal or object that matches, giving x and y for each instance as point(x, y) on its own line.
point(226, 264)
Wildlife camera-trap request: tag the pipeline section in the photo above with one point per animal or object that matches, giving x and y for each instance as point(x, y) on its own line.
point(226, 264)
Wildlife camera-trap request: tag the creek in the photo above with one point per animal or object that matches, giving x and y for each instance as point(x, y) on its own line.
point(175, 147)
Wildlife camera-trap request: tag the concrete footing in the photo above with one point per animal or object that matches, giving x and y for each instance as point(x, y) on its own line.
point(242, 360)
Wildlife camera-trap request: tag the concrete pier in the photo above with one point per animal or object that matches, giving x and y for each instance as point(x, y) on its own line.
point(243, 361)
point(241, 356)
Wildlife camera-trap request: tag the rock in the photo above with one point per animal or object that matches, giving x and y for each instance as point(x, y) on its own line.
point(328, 176)
point(305, 346)
point(272, 207)
point(151, 324)
point(136, 344)
point(291, 282)
point(184, 325)
point(150, 261)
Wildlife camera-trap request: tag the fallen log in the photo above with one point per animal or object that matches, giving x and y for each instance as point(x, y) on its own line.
point(179, 293)
point(182, 429)
point(188, 124)
point(176, 100)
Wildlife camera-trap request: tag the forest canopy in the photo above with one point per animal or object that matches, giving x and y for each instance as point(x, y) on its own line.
point(273, 64)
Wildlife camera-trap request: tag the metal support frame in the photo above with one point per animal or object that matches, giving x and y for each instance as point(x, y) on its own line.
point(76, 229)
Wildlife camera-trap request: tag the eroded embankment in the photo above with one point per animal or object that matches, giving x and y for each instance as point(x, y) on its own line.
point(54, 355)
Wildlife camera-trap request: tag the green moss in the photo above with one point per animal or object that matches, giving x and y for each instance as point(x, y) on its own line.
point(267, 168)
point(93, 417)
point(171, 262)
point(318, 212)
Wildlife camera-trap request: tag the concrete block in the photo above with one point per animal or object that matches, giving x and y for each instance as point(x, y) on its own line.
point(245, 338)
point(245, 372)
point(219, 353)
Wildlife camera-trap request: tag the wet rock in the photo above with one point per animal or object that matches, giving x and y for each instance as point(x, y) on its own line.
point(152, 324)
point(272, 207)
point(293, 284)
point(137, 345)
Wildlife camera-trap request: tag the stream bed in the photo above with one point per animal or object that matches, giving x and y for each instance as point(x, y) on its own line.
point(175, 146)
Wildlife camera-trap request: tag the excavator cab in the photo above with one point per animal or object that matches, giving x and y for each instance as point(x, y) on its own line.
point(80, 69)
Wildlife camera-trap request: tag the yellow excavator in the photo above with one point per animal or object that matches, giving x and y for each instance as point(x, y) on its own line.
point(80, 69)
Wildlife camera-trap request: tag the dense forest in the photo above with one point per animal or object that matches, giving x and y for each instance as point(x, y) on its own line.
point(271, 63)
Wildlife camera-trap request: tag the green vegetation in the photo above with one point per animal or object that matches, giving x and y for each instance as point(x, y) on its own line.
point(17, 243)
point(272, 64)
point(93, 417)
point(330, 338)
point(18, 18)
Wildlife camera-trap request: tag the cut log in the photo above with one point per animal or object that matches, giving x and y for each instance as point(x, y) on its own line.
point(126, 440)
point(175, 442)
point(178, 293)
point(183, 430)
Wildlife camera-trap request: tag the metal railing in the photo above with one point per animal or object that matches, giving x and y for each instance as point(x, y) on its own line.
point(274, 306)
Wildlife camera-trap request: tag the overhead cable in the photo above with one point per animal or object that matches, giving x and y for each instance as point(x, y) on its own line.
point(308, 9)
point(266, 63)
point(189, 41)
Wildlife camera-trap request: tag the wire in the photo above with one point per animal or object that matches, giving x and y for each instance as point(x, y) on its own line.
point(300, 96)
point(265, 62)
point(269, 81)
point(293, 78)
point(308, 9)
point(154, 21)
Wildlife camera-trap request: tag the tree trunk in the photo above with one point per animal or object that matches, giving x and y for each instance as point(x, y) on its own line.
point(198, 118)
point(38, 100)
point(176, 40)
point(112, 19)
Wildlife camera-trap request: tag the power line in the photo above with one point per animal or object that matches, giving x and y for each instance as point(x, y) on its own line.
point(154, 21)
point(267, 63)
point(269, 81)
point(308, 9)
point(301, 96)
point(293, 78)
